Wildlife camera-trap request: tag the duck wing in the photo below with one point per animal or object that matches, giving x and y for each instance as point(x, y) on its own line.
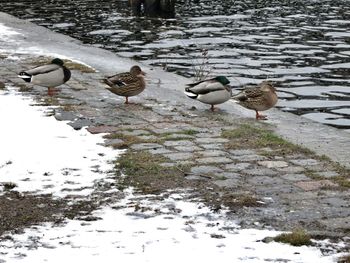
point(205, 87)
point(248, 94)
point(121, 79)
point(199, 82)
point(43, 69)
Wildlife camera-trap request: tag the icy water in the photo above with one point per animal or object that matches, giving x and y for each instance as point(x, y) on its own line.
point(302, 45)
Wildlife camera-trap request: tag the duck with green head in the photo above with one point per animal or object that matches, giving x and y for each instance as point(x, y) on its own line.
point(49, 75)
point(210, 91)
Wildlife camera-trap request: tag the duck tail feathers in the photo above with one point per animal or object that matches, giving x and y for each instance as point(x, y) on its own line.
point(25, 76)
point(190, 94)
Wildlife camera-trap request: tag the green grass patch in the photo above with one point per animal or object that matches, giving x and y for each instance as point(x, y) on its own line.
point(190, 132)
point(298, 237)
point(313, 174)
point(241, 200)
point(249, 136)
point(343, 181)
point(145, 172)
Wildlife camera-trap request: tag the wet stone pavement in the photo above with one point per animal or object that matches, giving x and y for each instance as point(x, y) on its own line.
point(292, 188)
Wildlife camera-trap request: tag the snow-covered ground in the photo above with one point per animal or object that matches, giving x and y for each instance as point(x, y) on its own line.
point(179, 232)
point(43, 155)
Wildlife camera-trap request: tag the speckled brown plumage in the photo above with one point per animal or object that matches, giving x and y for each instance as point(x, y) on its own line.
point(127, 84)
point(260, 98)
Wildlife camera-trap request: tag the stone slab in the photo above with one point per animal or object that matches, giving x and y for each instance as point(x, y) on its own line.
point(315, 185)
point(179, 156)
point(205, 169)
point(146, 146)
point(214, 160)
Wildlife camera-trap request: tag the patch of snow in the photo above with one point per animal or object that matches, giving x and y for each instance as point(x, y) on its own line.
point(178, 231)
point(43, 155)
point(5, 32)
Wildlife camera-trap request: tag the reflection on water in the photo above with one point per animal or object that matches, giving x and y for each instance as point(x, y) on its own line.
point(303, 45)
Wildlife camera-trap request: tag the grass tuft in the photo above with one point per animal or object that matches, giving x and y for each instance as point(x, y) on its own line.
point(145, 172)
point(249, 136)
point(298, 238)
point(9, 186)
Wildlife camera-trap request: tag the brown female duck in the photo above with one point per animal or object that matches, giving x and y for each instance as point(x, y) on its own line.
point(127, 84)
point(260, 98)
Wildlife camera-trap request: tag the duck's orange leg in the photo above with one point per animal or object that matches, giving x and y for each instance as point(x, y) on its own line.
point(51, 91)
point(260, 116)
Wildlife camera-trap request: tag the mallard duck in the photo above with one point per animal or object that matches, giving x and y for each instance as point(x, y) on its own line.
point(260, 98)
point(50, 75)
point(127, 84)
point(210, 91)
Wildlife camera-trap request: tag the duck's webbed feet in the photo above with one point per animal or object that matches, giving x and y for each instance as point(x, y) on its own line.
point(260, 116)
point(52, 91)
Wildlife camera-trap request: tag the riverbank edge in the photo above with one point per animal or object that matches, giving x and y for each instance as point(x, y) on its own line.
point(322, 139)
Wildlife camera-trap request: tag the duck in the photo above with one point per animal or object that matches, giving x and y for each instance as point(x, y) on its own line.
point(127, 84)
point(259, 98)
point(210, 91)
point(50, 75)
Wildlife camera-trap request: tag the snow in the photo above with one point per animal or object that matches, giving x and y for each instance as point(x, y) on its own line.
point(161, 236)
point(43, 155)
point(37, 151)
point(6, 32)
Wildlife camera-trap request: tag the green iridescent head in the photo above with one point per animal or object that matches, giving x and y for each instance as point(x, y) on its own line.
point(222, 79)
point(57, 61)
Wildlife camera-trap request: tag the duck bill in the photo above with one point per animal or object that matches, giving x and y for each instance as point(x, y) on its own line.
point(143, 73)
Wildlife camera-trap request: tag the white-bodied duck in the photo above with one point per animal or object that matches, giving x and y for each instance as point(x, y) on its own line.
point(210, 91)
point(49, 75)
point(259, 98)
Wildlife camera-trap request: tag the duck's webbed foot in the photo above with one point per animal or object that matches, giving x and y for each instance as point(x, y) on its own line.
point(260, 116)
point(52, 92)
